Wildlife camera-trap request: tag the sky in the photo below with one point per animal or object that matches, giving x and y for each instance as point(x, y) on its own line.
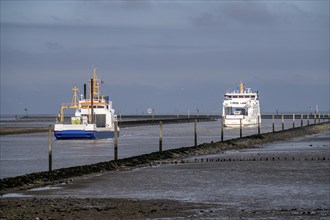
point(175, 56)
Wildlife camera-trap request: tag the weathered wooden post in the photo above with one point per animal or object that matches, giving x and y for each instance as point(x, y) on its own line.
point(307, 119)
point(91, 119)
point(293, 118)
point(240, 128)
point(314, 118)
point(115, 141)
point(161, 136)
point(282, 122)
point(302, 120)
point(258, 124)
point(222, 127)
point(273, 123)
point(195, 132)
point(50, 156)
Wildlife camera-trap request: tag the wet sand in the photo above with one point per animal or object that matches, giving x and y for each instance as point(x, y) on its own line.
point(265, 191)
point(92, 208)
point(68, 208)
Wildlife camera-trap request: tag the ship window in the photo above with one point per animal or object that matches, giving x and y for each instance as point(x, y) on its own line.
point(96, 106)
point(241, 96)
point(234, 96)
point(235, 111)
point(100, 120)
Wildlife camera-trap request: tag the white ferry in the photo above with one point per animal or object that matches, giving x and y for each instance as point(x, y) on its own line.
point(94, 117)
point(241, 107)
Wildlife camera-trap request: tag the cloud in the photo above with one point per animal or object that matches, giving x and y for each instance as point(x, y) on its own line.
point(205, 47)
point(249, 13)
point(53, 45)
point(232, 14)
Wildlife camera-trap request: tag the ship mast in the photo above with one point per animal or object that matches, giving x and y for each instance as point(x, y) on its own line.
point(96, 87)
point(241, 87)
point(73, 104)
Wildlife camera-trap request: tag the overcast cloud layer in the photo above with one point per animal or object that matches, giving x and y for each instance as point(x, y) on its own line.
point(173, 56)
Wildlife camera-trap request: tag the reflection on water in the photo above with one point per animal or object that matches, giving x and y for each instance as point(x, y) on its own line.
point(14, 195)
point(27, 153)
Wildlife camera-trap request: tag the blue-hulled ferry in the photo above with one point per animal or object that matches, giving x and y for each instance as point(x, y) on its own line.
point(94, 116)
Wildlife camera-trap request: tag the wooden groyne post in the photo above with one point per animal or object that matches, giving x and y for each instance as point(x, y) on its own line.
point(302, 120)
point(160, 136)
point(50, 156)
point(240, 128)
point(293, 120)
point(315, 118)
point(222, 126)
point(195, 132)
point(273, 126)
point(258, 124)
point(282, 122)
point(307, 119)
point(115, 141)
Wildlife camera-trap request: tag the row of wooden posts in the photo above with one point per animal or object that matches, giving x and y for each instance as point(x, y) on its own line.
point(222, 130)
point(195, 133)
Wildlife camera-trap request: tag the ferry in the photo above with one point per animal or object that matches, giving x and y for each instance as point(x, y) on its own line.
point(241, 107)
point(94, 116)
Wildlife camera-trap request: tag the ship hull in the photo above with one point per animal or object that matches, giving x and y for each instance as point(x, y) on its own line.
point(230, 122)
point(81, 134)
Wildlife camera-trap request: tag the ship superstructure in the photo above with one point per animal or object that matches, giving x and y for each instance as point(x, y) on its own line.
point(94, 116)
point(241, 106)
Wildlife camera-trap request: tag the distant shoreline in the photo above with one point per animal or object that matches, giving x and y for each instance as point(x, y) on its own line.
point(12, 130)
point(135, 120)
point(127, 123)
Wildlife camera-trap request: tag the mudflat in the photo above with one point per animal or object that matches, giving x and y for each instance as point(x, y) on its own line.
point(95, 208)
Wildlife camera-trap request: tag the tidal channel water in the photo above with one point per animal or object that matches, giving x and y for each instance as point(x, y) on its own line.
point(27, 153)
